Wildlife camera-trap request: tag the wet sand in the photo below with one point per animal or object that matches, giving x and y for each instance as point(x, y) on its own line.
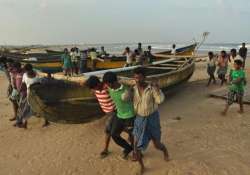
point(201, 143)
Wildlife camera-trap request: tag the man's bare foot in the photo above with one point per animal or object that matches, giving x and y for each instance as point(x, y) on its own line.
point(23, 125)
point(134, 157)
point(240, 111)
point(104, 154)
point(12, 119)
point(125, 154)
point(142, 171)
point(166, 158)
point(223, 113)
point(46, 124)
point(17, 124)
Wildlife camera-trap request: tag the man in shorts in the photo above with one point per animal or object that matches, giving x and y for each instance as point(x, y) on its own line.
point(236, 88)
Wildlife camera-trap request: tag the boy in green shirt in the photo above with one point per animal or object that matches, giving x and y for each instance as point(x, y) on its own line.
point(124, 121)
point(236, 88)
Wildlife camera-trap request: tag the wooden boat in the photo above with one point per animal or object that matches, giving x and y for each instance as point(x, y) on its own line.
point(55, 65)
point(54, 52)
point(47, 65)
point(28, 57)
point(68, 100)
point(187, 50)
point(40, 61)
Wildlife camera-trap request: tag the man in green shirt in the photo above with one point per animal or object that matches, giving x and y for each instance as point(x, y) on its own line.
point(236, 88)
point(124, 120)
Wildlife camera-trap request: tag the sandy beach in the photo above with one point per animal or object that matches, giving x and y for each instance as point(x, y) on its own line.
point(202, 142)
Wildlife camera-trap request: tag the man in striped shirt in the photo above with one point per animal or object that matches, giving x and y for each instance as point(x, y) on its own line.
point(106, 104)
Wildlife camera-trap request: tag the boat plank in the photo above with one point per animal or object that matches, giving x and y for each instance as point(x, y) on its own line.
point(179, 61)
point(163, 68)
point(170, 65)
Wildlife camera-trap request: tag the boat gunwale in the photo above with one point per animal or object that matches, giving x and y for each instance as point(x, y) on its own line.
point(181, 69)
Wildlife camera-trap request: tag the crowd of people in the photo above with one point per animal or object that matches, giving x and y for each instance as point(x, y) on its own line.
point(230, 69)
point(20, 79)
point(75, 61)
point(131, 109)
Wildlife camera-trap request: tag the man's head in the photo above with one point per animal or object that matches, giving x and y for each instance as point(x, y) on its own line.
point(102, 48)
point(110, 79)
point(233, 52)
point(94, 83)
point(139, 75)
point(149, 48)
point(17, 66)
point(223, 53)
point(66, 51)
point(243, 45)
point(10, 63)
point(210, 55)
point(139, 45)
point(127, 49)
point(174, 46)
point(28, 67)
point(238, 64)
point(136, 52)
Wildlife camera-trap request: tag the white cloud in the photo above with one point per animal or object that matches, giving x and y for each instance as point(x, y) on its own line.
point(220, 2)
point(43, 4)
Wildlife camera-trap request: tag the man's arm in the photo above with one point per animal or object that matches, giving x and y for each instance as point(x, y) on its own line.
point(158, 94)
point(237, 81)
point(128, 95)
point(240, 79)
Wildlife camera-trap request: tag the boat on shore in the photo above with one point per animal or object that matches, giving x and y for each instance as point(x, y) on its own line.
point(54, 64)
point(67, 99)
point(54, 52)
point(187, 50)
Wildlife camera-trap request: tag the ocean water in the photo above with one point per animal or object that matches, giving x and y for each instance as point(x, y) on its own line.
point(118, 48)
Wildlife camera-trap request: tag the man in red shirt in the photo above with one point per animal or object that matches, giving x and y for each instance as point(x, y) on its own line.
point(107, 105)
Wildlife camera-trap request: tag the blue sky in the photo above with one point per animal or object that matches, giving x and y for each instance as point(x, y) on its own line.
point(112, 21)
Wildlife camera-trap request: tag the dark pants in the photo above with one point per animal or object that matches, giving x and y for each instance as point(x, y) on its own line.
point(109, 124)
point(75, 67)
point(83, 65)
point(118, 126)
point(244, 62)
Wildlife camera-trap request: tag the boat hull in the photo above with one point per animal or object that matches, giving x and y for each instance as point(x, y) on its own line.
point(187, 50)
point(66, 101)
point(55, 65)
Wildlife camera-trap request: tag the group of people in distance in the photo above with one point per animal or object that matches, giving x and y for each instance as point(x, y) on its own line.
point(75, 61)
point(230, 69)
point(133, 110)
point(138, 56)
point(20, 79)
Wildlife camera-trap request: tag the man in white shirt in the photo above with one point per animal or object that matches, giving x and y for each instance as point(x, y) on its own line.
point(130, 55)
point(173, 51)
